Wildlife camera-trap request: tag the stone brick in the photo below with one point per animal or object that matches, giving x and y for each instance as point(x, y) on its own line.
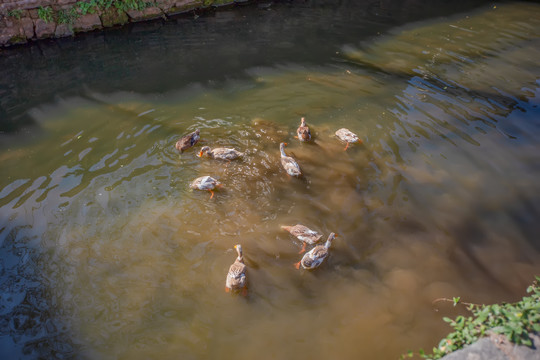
point(65, 2)
point(187, 3)
point(112, 17)
point(44, 29)
point(181, 6)
point(33, 14)
point(146, 14)
point(165, 5)
point(63, 30)
point(30, 4)
point(11, 33)
point(28, 27)
point(87, 22)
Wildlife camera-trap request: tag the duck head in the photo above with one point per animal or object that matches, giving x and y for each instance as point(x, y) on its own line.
point(238, 248)
point(204, 150)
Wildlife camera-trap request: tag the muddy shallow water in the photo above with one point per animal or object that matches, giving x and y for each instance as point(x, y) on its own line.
point(107, 253)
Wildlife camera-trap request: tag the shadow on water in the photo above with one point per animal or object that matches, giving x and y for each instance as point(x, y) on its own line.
point(106, 253)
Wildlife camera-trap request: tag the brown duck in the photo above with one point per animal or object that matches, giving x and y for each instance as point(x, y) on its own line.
point(304, 234)
point(236, 277)
point(289, 164)
point(303, 133)
point(220, 153)
point(315, 257)
point(187, 141)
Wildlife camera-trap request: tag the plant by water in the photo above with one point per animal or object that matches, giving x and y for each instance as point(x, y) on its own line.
point(516, 321)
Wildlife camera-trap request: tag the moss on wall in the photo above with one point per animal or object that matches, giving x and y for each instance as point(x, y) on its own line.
point(26, 20)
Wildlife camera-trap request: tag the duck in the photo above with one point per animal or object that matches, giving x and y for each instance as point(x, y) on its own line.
point(303, 133)
point(304, 234)
point(236, 277)
point(187, 141)
point(221, 153)
point(289, 164)
point(348, 136)
point(315, 257)
point(205, 183)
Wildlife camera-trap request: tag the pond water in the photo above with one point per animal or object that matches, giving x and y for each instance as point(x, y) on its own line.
point(107, 254)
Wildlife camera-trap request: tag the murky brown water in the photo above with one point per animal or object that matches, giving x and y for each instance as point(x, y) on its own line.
point(441, 200)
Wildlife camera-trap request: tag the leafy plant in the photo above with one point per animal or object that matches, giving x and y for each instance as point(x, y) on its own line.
point(105, 4)
point(86, 7)
point(16, 13)
point(125, 5)
point(92, 6)
point(515, 321)
point(46, 14)
point(67, 17)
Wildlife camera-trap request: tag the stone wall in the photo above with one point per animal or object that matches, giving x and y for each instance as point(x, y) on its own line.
point(26, 20)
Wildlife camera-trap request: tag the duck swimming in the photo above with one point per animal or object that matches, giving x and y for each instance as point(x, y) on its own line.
point(347, 136)
point(304, 234)
point(236, 277)
point(220, 153)
point(289, 164)
point(187, 141)
point(205, 183)
point(315, 257)
point(303, 133)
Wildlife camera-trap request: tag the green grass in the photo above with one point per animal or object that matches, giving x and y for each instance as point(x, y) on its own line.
point(46, 14)
point(516, 321)
point(67, 16)
point(91, 6)
point(15, 13)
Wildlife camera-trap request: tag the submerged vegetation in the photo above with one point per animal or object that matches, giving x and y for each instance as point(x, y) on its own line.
point(516, 321)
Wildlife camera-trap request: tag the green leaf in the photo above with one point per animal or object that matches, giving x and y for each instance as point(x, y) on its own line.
point(516, 321)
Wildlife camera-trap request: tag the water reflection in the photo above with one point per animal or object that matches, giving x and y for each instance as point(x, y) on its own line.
point(106, 253)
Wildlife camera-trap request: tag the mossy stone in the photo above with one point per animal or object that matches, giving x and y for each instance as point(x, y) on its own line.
point(112, 17)
point(17, 39)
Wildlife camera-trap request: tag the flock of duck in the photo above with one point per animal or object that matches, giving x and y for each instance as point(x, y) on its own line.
point(236, 277)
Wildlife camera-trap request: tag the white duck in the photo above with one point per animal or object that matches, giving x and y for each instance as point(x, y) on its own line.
point(304, 234)
point(205, 183)
point(289, 164)
point(348, 136)
point(313, 258)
